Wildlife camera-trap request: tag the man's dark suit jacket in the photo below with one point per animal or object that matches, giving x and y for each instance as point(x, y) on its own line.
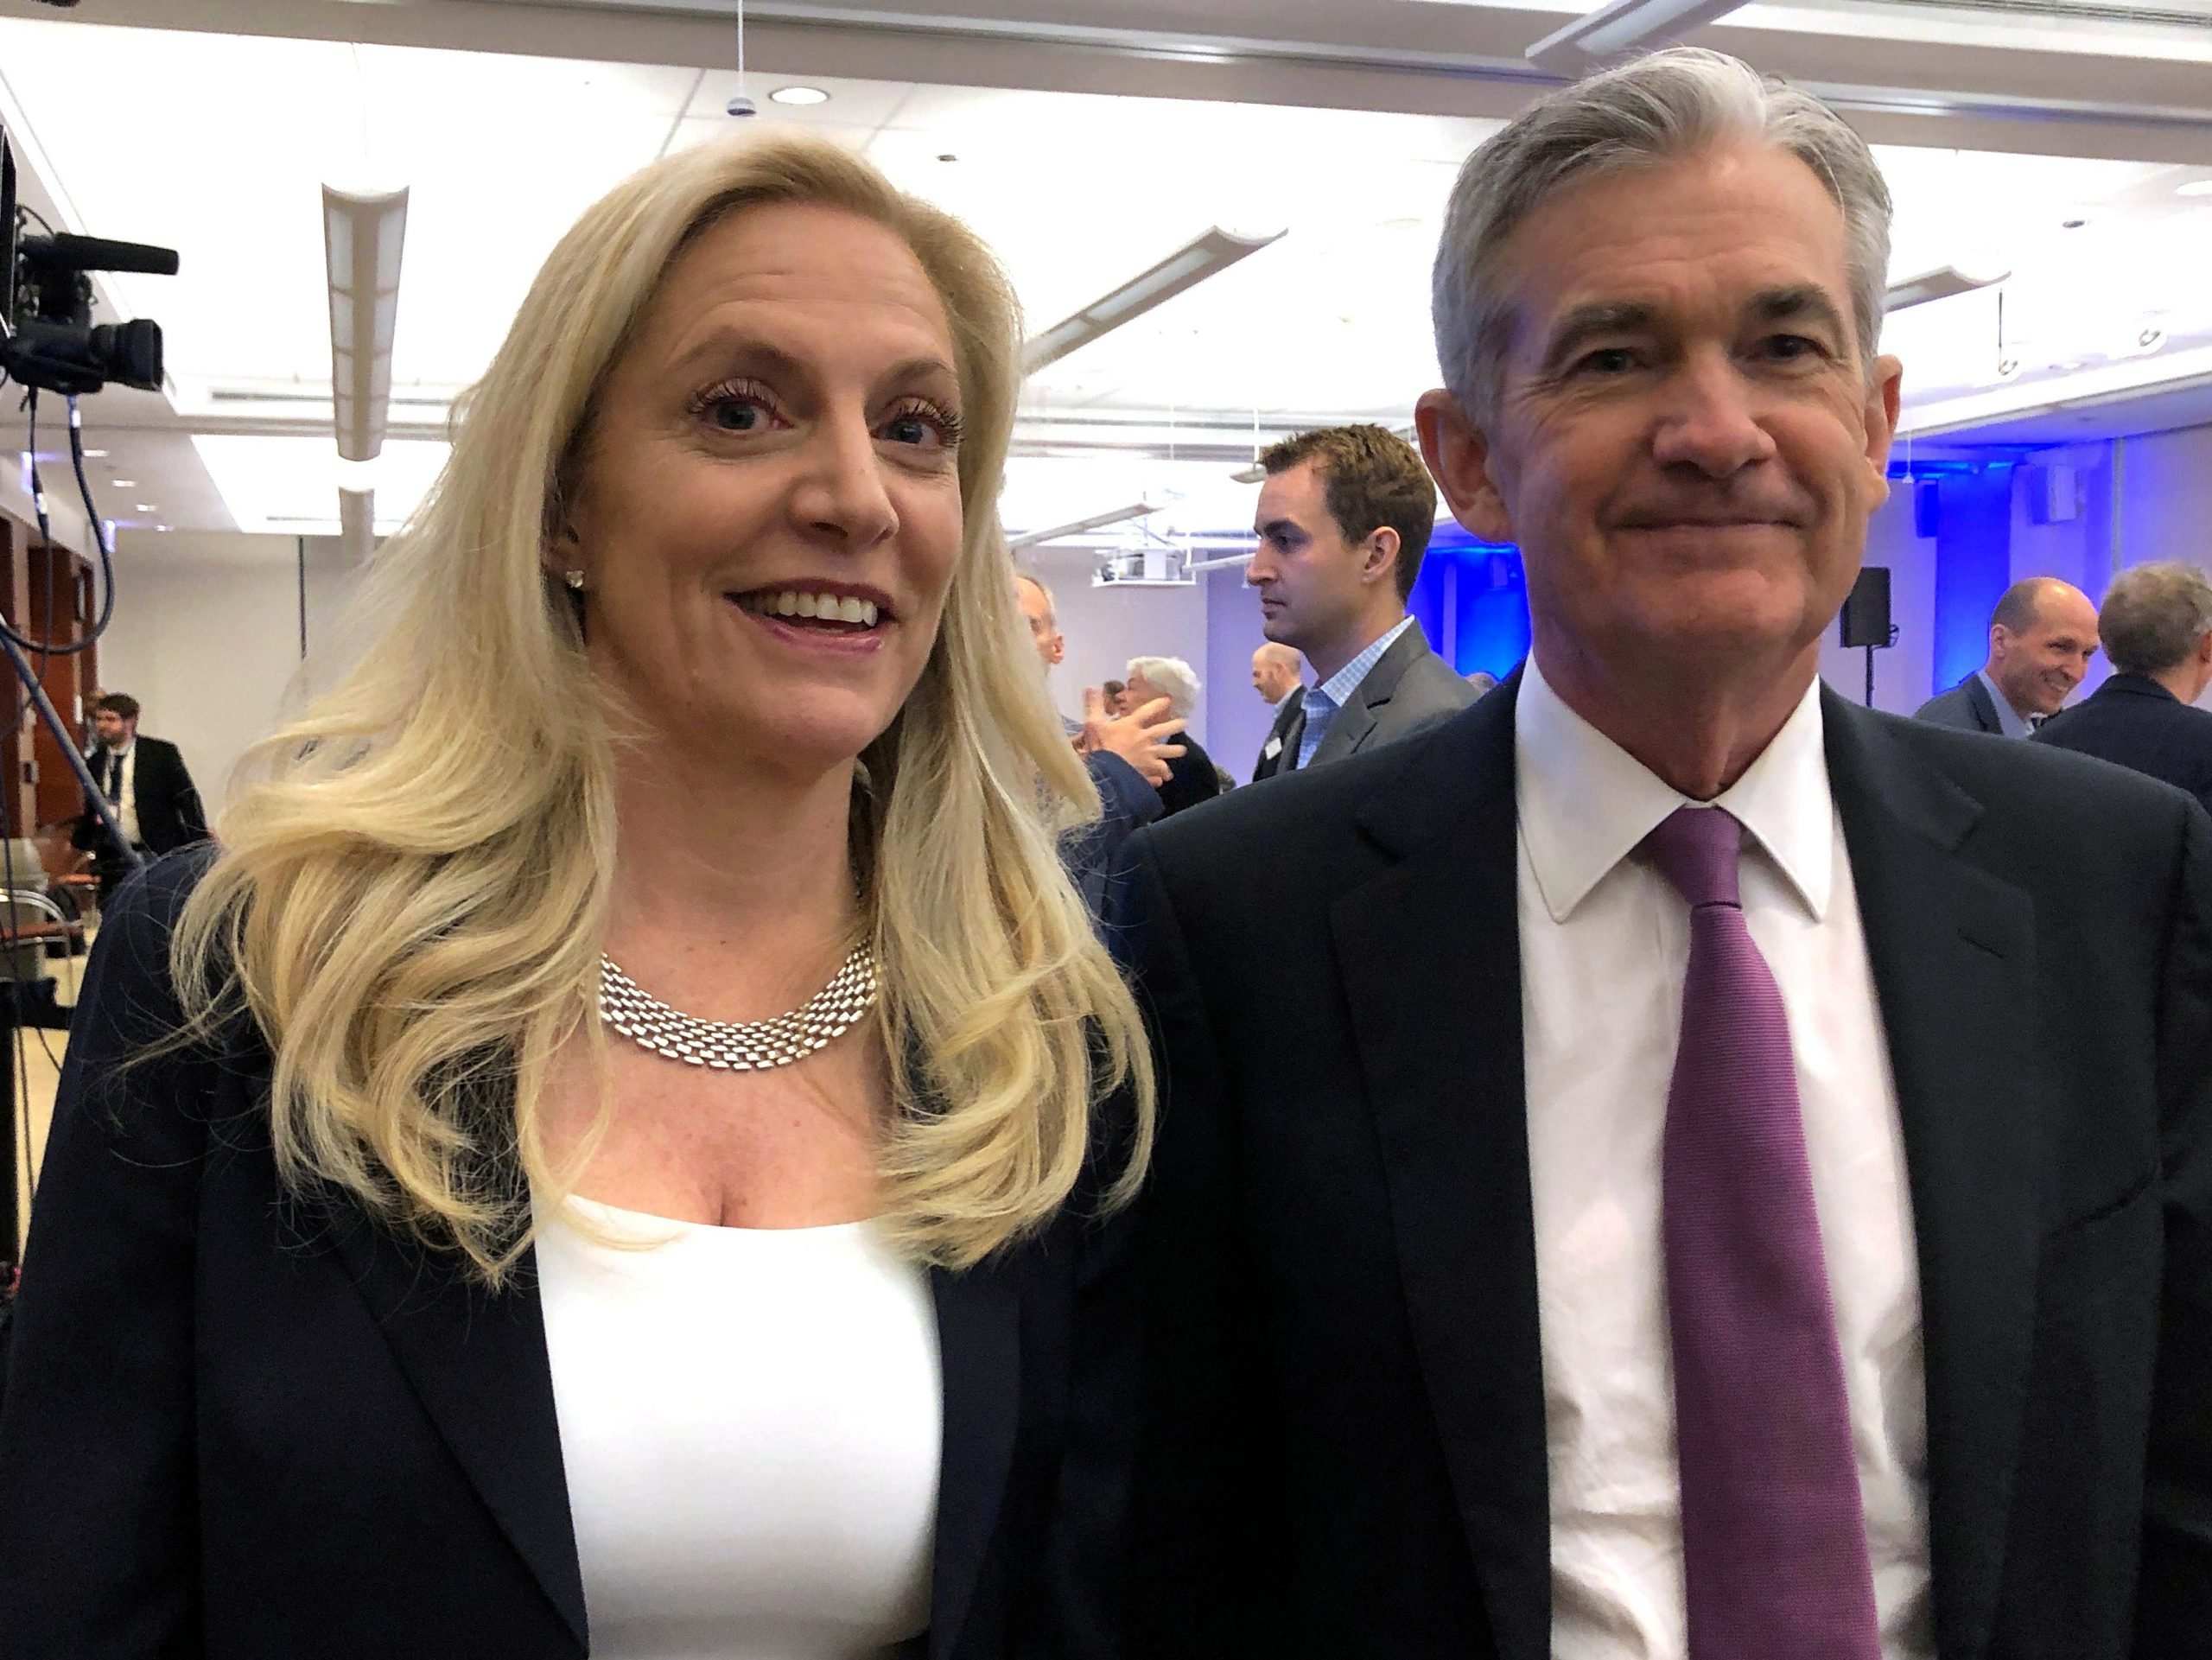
point(169, 814)
point(1345, 1442)
point(2134, 721)
point(237, 1427)
point(1968, 706)
point(1288, 721)
point(1409, 688)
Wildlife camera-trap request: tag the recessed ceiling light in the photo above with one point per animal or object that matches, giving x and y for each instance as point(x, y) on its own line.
point(798, 95)
point(145, 507)
point(124, 484)
point(2195, 188)
point(96, 455)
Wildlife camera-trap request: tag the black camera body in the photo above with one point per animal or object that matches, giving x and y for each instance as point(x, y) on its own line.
point(51, 341)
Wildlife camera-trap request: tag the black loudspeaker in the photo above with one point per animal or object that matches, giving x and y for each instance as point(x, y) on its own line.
point(1926, 509)
point(1866, 613)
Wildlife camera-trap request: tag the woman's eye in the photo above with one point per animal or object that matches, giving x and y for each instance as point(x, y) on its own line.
point(737, 415)
point(735, 407)
point(923, 425)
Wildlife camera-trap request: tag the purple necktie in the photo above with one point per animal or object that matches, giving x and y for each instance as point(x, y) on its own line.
point(1774, 1537)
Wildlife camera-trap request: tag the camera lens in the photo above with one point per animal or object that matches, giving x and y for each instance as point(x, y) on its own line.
point(129, 353)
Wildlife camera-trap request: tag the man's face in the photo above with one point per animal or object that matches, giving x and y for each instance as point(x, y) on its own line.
point(1044, 633)
point(2038, 668)
point(1271, 678)
point(1139, 692)
point(1313, 584)
point(111, 728)
point(1686, 447)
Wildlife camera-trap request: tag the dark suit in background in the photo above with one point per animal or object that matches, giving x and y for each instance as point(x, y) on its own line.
point(237, 1426)
point(1968, 706)
point(1090, 853)
point(1344, 1450)
point(1192, 779)
point(2134, 721)
point(170, 813)
point(1279, 737)
point(1409, 687)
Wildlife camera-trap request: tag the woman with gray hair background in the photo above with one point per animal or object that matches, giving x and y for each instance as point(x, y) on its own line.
point(1191, 778)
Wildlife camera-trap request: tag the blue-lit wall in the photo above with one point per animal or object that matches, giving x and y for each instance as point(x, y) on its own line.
point(1974, 566)
point(1472, 602)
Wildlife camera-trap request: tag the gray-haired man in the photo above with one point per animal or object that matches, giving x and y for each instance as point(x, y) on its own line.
point(2158, 630)
point(1645, 1175)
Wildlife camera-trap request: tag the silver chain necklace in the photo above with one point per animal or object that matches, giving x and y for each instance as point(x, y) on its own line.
point(740, 1047)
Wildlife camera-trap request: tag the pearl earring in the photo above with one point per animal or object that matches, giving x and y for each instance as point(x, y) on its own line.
point(575, 579)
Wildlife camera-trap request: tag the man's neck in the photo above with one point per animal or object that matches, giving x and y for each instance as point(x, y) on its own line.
point(1696, 728)
point(2181, 680)
point(2030, 714)
point(1329, 660)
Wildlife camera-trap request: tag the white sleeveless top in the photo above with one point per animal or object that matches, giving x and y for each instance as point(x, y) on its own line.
point(751, 1422)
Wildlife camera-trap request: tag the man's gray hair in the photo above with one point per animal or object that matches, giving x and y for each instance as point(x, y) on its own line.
point(2154, 615)
point(1172, 676)
point(1669, 104)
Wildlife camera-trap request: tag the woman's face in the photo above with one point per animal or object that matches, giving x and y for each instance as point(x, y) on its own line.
point(767, 508)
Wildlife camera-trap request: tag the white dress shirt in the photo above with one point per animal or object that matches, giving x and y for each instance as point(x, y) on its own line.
point(1605, 943)
point(126, 797)
point(752, 1429)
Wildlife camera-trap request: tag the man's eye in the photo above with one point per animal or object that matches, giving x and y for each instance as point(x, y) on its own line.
point(1609, 360)
point(1792, 348)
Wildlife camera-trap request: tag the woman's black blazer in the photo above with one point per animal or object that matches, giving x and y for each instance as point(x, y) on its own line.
point(234, 1430)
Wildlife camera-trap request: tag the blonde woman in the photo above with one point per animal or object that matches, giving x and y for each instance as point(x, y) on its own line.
point(610, 1155)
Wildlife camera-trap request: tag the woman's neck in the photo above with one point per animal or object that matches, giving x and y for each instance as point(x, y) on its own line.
point(729, 877)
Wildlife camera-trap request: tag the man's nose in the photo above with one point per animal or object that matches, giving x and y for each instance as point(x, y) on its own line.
point(1707, 419)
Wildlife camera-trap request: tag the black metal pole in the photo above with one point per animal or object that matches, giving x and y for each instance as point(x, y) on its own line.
point(1870, 676)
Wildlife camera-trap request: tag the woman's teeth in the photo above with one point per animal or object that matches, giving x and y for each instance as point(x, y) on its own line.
point(825, 607)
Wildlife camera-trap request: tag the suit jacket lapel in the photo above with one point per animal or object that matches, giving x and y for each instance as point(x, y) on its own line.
point(478, 1364)
point(979, 1335)
point(1430, 955)
point(1953, 953)
point(1353, 723)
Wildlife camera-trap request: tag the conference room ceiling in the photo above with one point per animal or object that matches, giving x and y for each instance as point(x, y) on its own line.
point(504, 131)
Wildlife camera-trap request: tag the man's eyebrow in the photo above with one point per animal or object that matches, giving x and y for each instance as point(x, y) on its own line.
point(1800, 302)
point(1585, 322)
point(1275, 527)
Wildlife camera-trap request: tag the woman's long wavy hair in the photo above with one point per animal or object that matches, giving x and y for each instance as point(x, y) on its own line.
point(412, 881)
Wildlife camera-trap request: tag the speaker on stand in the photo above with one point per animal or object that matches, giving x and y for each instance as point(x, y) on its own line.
point(1865, 619)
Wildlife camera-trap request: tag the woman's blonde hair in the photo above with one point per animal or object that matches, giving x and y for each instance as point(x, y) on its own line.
point(413, 879)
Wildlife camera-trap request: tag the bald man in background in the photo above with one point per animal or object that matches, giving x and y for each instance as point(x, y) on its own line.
point(2041, 638)
point(1278, 675)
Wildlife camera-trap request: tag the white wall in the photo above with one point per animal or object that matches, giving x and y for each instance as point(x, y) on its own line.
point(207, 637)
point(1106, 626)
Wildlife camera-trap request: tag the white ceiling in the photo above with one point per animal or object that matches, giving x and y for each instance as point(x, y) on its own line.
point(501, 150)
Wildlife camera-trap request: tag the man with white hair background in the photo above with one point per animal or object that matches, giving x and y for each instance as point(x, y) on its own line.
point(1192, 776)
point(1668, 1162)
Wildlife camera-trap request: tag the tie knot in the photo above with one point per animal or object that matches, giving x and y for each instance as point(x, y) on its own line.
point(1696, 849)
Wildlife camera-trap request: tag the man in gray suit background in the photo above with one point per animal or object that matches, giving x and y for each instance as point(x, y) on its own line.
point(2041, 638)
point(1343, 521)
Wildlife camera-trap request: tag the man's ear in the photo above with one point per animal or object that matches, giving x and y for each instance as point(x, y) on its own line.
point(1379, 559)
point(1458, 453)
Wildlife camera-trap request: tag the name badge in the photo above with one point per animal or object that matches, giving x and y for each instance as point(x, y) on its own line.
point(1274, 748)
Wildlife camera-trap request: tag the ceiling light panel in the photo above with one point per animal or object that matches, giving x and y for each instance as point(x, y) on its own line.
point(289, 487)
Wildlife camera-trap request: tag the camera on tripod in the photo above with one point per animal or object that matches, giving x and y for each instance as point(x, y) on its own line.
point(50, 340)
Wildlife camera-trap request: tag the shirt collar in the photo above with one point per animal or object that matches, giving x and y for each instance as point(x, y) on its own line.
point(1339, 686)
point(2008, 718)
point(1586, 804)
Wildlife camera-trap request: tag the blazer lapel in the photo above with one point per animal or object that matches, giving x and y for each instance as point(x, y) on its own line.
point(979, 1336)
point(478, 1365)
point(1430, 955)
point(1953, 953)
point(1353, 723)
